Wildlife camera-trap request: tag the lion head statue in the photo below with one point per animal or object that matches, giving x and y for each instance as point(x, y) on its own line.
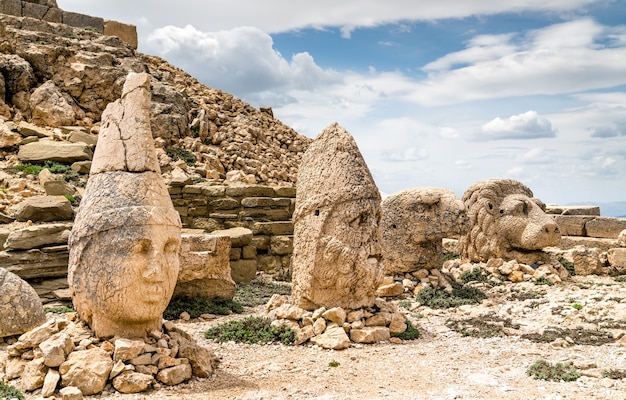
point(506, 221)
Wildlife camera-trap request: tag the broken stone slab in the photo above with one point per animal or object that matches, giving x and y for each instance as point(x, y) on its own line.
point(334, 338)
point(79, 136)
point(37, 236)
point(617, 259)
point(243, 271)
point(573, 210)
point(88, 370)
point(175, 375)
point(62, 152)
point(34, 375)
point(50, 383)
point(239, 237)
point(573, 225)
point(44, 209)
point(36, 263)
point(370, 334)
point(605, 227)
point(58, 187)
point(28, 129)
point(56, 348)
point(20, 307)
point(132, 382)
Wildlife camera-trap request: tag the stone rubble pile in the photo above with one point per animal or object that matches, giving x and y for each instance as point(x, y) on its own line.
point(337, 328)
point(64, 353)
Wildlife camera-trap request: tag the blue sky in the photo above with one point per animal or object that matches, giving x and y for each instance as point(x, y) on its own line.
point(439, 93)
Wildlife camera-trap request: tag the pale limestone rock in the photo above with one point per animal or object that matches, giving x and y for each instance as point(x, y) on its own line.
point(126, 349)
point(125, 138)
point(56, 348)
point(205, 267)
point(88, 370)
point(50, 383)
point(413, 224)
point(8, 138)
point(505, 221)
point(126, 222)
point(370, 334)
point(617, 259)
point(336, 315)
point(319, 326)
point(382, 318)
point(44, 209)
point(398, 323)
point(14, 368)
point(55, 151)
point(26, 129)
point(59, 188)
point(175, 375)
point(587, 261)
point(336, 258)
point(34, 337)
point(355, 315)
point(34, 375)
point(51, 107)
point(71, 393)
point(20, 307)
point(289, 311)
point(35, 236)
point(621, 238)
point(203, 361)
point(305, 333)
point(334, 337)
point(605, 227)
point(132, 382)
point(390, 290)
point(126, 32)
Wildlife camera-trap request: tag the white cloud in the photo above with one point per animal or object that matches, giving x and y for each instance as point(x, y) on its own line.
point(528, 125)
point(562, 58)
point(241, 60)
point(462, 164)
point(537, 155)
point(409, 154)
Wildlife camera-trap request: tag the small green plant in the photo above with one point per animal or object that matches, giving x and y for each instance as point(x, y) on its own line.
point(614, 374)
point(473, 275)
point(178, 153)
point(542, 369)
point(620, 278)
point(450, 256)
point(72, 36)
point(70, 198)
point(440, 298)
point(59, 309)
point(568, 265)
point(411, 332)
point(29, 169)
point(404, 304)
point(197, 307)
point(251, 330)
point(91, 29)
point(259, 291)
point(9, 392)
point(577, 306)
point(334, 363)
point(542, 280)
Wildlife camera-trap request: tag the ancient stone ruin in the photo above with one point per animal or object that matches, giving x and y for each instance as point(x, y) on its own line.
point(413, 224)
point(20, 307)
point(336, 259)
point(507, 222)
point(125, 241)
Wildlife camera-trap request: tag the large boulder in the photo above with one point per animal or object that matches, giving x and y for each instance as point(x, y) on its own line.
point(62, 152)
point(49, 106)
point(20, 307)
point(44, 209)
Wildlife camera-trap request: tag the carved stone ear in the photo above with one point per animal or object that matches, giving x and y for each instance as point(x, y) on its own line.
point(540, 203)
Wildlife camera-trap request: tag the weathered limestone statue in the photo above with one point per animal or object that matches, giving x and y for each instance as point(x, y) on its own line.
point(20, 307)
point(413, 224)
point(126, 237)
point(336, 257)
point(505, 221)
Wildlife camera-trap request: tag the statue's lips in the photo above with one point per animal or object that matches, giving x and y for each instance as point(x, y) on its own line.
point(153, 294)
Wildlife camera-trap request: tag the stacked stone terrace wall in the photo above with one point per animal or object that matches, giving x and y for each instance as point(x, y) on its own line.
point(264, 211)
point(47, 10)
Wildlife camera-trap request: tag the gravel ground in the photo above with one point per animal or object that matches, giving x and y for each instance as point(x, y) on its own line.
point(442, 363)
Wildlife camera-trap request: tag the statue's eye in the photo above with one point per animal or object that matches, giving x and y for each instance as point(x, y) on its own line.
point(143, 246)
point(171, 246)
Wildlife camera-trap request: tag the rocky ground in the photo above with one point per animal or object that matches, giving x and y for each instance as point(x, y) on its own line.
point(581, 322)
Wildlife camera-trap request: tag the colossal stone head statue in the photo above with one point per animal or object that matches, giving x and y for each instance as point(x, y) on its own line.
point(336, 258)
point(126, 237)
point(413, 225)
point(505, 221)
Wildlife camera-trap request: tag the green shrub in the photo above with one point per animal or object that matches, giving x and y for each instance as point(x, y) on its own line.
point(473, 275)
point(251, 330)
point(197, 307)
point(59, 309)
point(9, 392)
point(411, 332)
point(620, 278)
point(258, 291)
point(569, 266)
point(29, 169)
point(542, 369)
point(178, 153)
point(577, 306)
point(334, 363)
point(542, 280)
point(614, 374)
point(441, 298)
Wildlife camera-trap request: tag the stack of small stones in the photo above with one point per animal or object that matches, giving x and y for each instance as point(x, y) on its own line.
point(495, 271)
point(336, 328)
point(64, 353)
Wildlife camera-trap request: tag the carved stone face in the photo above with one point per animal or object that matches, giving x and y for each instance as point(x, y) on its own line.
point(129, 276)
